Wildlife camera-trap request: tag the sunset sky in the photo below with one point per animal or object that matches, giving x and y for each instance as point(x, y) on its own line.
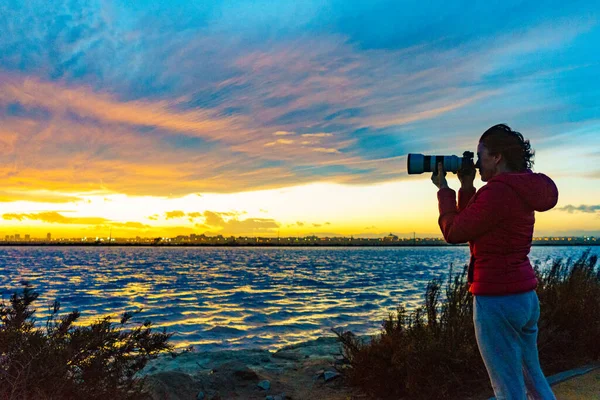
point(161, 118)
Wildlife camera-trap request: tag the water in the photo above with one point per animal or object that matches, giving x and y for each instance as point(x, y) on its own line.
point(231, 297)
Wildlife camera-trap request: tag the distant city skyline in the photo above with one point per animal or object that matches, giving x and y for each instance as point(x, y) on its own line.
point(292, 118)
point(194, 237)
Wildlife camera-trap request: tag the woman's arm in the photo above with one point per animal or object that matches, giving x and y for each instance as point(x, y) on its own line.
point(466, 177)
point(480, 216)
point(464, 196)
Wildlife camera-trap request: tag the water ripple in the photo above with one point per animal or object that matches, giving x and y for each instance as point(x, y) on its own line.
point(226, 298)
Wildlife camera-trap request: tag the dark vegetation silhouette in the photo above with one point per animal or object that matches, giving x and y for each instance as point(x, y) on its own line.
point(431, 352)
point(64, 361)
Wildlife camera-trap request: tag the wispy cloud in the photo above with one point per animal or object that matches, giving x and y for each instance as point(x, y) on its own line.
point(594, 174)
point(279, 141)
point(130, 225)
point(174, 214)
point(315, 135)
point(85, 103)
point(581, 208)
point(36, 196)
point(54, 217)
point(233, 225)
point(102, 100)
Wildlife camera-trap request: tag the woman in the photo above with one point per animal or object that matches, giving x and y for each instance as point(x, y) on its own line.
point(497, 221)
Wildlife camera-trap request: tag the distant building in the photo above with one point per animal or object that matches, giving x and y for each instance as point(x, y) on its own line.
point(27, 237)
point(390, 238)
point(17, 236)
point(48, 236)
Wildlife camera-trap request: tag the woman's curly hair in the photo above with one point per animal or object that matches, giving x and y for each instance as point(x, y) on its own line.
point(501, 139)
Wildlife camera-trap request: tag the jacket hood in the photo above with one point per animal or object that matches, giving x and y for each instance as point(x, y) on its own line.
point(537, 190)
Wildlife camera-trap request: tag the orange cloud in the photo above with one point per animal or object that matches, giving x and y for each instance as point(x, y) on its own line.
point(326, 150)
point(279, 141)
point(314, 135)
point(174, 214)
point(102, 106)
point(36, 196)
point(54, 217)
point(234, 226)
point(213, 219)
point(130, 225)
point(250, 226)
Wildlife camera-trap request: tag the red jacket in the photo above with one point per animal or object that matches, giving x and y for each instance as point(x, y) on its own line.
point(497, 221)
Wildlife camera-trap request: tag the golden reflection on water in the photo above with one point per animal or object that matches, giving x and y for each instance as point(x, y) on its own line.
point(231, 298)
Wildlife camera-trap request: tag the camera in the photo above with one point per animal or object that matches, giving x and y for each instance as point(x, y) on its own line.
point(419, 163)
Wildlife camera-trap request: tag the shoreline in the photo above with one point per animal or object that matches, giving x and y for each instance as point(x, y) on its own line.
point(190, 361)
point(303, 370)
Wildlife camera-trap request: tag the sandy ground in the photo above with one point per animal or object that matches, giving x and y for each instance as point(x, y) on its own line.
point(584, 387)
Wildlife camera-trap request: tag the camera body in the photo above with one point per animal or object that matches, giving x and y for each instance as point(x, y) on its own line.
point(420, 163)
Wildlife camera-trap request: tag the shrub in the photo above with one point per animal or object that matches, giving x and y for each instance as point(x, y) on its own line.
point(431, 352)
point(61, 361)
point(569, 327)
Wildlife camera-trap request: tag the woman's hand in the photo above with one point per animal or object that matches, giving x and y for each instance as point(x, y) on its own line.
point(467, 177)
point(439, 179)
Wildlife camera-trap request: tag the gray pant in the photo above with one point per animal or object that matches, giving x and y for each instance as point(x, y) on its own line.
point(506, 332)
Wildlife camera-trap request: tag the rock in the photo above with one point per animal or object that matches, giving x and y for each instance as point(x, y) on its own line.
point(329, 375)
point(200, 361)
point(321, 348)
point(171, 385)
point(341, 360)
point(246, 375)
point(208, 395)
point(265, 385)
point(236, 370)
point(274, 367)
point(288, 355)
point(278, 397)
point(226, 380)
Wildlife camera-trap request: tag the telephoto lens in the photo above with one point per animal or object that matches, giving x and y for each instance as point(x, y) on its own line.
point(420, 163)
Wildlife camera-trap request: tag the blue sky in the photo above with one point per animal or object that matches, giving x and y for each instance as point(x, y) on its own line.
point(154, 98)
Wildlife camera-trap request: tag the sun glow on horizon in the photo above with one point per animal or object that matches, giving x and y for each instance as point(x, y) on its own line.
point(322, 209)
